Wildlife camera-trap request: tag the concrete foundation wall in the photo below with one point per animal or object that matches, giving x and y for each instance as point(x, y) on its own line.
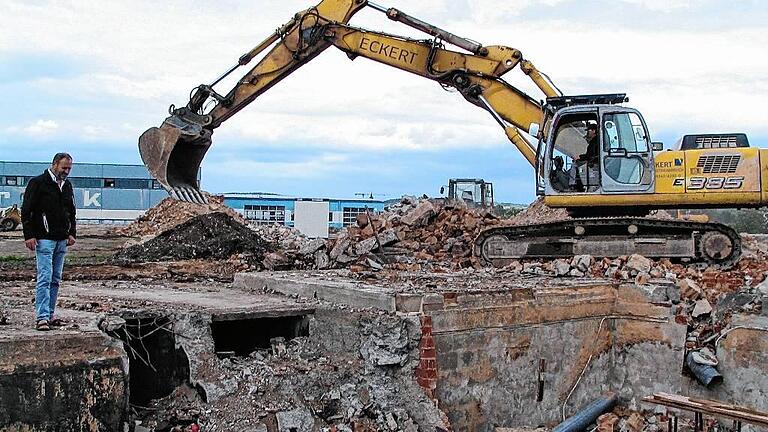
point(44, 387)
point(489, 357)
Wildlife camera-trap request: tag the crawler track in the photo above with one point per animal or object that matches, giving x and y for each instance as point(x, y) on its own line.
point(713, 243)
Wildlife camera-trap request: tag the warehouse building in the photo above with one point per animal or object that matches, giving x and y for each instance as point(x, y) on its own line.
point(311, 216)
point(112, 193)
point(104, 193)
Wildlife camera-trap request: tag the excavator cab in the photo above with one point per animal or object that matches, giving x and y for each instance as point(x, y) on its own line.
point(594, 146)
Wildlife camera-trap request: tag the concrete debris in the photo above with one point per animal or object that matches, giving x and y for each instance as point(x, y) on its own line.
point(312, 246)
point(419, 216)
point(582, 263)
point(385, 344)
point(638, 264)
point(702, 307)
point(277, 261)
point(689, 289)
point(295, 420)
point(561, 267)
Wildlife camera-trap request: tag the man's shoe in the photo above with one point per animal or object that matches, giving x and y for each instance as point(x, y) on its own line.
point(42, 325)
point(57, 322)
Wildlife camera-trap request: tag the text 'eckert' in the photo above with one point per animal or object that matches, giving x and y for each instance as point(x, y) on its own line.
point(387, 50)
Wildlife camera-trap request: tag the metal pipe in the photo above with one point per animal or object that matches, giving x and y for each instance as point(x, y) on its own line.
point(402, 17)
point(247, 57)
point(588, 415)
point(526, 147)
point(705, 374)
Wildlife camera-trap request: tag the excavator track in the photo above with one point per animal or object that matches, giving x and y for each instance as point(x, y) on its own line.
point(712, 243)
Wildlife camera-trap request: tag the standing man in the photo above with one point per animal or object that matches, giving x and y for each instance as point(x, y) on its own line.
point(48, 218)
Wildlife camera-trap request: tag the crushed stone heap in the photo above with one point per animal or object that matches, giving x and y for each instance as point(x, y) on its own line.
point(408, 235)
point(210, 236)
point(170, 212)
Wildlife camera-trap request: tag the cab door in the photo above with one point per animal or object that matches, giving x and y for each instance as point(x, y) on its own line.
point(626, 154)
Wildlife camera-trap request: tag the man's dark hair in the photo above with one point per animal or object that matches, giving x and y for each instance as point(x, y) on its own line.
point(592, 126)
point(59, 156)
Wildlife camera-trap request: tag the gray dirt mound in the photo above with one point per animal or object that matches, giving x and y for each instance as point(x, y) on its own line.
point(208, 236)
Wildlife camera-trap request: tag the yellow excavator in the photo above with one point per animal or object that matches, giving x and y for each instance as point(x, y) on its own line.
point(591, 154)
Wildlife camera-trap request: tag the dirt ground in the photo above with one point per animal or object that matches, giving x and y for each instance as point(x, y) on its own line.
point(89, 259)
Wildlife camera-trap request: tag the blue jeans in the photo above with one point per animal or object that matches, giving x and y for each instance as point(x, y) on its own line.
point(50, 264)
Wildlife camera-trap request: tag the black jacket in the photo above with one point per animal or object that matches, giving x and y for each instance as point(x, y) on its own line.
point(47, 212)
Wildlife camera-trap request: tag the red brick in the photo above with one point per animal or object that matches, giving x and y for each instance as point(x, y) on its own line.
point(428, 364)
point(426, 320)
point(428, 353)
point(426, 331)
point(426, 374)
point(426, 342)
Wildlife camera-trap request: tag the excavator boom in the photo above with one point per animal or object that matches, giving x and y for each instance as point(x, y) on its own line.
point(174, 151)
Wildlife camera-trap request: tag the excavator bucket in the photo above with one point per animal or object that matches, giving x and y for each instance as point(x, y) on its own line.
point(172, 153)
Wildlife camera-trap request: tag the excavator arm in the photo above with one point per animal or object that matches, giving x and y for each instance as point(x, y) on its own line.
point(173, 152)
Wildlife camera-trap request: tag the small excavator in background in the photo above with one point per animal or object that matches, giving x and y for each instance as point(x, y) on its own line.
point(10, 218)
point(476, 193)
point(590, 154)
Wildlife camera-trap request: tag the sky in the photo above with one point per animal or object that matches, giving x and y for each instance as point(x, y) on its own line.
point(89, 77)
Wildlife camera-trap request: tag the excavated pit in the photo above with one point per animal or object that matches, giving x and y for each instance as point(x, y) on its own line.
point(241, 337)
point(157, 365)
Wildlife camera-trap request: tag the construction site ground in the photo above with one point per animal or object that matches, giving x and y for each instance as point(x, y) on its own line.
point(388, 341)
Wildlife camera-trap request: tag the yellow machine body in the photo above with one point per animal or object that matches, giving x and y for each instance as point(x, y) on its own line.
point(730, 177)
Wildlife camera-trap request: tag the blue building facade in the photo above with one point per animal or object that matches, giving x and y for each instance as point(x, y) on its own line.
point(111, 193)
point(104, 193)
point(279, 209)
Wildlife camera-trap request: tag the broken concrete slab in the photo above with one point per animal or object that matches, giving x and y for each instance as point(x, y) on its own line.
point(312, 246)
point(638, 263)
point(420, 215)
point(358, 295)
point(702, 307)
point(296, 420)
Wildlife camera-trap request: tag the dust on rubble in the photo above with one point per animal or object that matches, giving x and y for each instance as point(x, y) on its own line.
point(208, 236)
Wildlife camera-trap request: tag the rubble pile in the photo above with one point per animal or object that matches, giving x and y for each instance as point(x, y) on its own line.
point(412, 235)
point(362, 383)
point(207, 236)
point(538, 212)
point(170, 212)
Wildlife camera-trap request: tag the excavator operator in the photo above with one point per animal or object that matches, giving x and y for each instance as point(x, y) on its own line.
point(586, 162)
point(558, 176)
point(592, 144)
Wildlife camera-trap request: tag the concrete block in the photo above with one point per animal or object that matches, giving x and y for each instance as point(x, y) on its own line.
point(408, 303)
point(63, 383)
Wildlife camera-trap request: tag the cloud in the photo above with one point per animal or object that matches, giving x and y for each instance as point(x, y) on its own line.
point(664, 5)
point(39, 129)
point(302, 169)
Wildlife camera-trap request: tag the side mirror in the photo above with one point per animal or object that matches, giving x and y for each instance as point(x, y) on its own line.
point(533, 129)
point(442, 190)
point(657, 146)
